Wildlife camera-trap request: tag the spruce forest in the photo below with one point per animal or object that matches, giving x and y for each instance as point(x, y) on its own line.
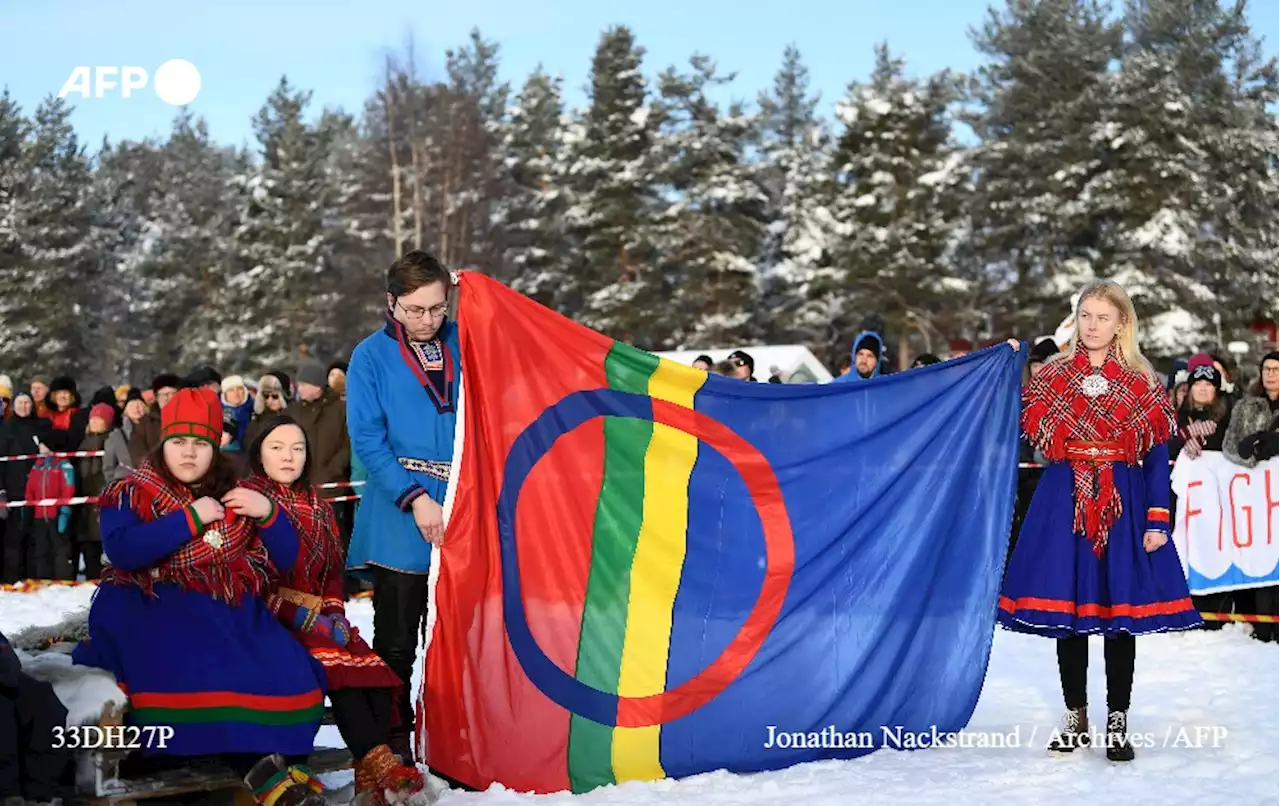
point(1136, 142)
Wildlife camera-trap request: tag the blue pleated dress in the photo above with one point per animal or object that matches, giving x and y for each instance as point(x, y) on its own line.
point(227, 678)
point(1056, 586)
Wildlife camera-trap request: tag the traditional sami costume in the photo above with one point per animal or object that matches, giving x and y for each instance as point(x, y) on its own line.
point(402, 398)
point(401, 404)
point(179, 619)
point(310, 600)
point(1079, 566)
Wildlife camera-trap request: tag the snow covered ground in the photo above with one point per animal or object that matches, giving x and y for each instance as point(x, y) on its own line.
point(1184, 682)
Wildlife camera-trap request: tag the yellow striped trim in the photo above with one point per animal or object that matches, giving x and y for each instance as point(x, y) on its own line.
point(655, 571)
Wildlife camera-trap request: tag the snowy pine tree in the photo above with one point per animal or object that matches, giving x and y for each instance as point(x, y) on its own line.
point(899, 184)
point(468, 156)
point(1040, 101)
point(282, 240)
point(614, 285)
point(49, 323)
point(530, 213)
point(123, 186)
point(1189, 168)
point(20, 331)
point(709, 240)
point(800, 288)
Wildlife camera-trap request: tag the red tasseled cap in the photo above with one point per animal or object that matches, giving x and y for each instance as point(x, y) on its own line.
point(192, 413)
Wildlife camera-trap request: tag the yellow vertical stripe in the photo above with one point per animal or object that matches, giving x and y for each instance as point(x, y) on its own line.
point(655, 572)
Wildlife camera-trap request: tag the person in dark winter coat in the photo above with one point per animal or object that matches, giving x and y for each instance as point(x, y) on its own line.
point(1202, 424)
point(146, 434)
point(117, 462)
point(1252, 438)
point(93, 480)
point(31, 768)
point(20, 435)
point(1029, 477)
point(64, 404)
point(323, 416)
point(1204, 415)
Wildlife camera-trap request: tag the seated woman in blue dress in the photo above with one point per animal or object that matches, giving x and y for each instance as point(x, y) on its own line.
point(180, 620)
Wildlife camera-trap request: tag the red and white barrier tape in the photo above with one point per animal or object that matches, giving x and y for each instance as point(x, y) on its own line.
point(55, 455)
point(93, 499)
point(86, 454)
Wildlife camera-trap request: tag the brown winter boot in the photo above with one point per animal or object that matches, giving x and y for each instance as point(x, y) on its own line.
point(1074, 733)
point(396, 781)
point(368, 793)
point(274, 783)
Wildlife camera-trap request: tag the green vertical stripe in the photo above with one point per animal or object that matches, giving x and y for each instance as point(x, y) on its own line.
point(619, 512)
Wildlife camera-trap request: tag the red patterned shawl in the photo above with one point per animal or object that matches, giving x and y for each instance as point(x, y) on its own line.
point(228, 572)
point(1133, 412)
point(321, 557)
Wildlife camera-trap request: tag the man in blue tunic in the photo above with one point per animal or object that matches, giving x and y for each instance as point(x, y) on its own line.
point(402, 393)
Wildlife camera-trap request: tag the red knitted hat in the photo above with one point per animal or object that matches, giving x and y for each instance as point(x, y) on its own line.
point(103, 411)
point(192, 413)
point(1199, 360)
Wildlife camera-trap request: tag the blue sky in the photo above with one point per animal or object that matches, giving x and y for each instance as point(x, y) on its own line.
point(336, 48)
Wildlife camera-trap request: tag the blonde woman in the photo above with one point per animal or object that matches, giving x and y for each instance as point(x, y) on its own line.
point(1093, 556)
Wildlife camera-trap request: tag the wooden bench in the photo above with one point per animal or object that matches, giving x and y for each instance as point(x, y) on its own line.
point(99, 780)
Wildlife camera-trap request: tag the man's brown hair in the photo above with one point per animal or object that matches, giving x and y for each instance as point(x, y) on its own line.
point(415, 270)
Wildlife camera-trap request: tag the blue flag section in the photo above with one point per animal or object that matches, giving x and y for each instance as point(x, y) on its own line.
point(900, 494)
point(656, 572)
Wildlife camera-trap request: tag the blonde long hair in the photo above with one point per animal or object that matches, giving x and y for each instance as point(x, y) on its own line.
point(1130, 354)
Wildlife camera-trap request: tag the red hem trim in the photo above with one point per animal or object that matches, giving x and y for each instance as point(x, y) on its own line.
point(1089, 610)
point(217, 699)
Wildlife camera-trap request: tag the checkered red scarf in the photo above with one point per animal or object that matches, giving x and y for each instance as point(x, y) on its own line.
point(1132, 413)
point(320, 546)
point(227, 573)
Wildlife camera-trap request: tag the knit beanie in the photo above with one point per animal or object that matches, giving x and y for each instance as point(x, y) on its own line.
point(104, 412)
point(192, 413)
point(1206, 372)
point(1199, 360)
point(233, 382)
point(314, 374)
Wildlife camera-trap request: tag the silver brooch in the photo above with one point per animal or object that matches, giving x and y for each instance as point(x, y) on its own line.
point(214, 539)
point(1094, 385)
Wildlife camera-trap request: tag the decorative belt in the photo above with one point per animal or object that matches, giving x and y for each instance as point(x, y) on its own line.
point(307, 600)
point(430, 467)
point(1095, 452)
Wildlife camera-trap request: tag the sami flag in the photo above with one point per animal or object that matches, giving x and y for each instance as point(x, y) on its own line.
point(653, 572)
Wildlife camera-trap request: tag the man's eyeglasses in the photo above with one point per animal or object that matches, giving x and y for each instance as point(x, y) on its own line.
point(414, 312)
